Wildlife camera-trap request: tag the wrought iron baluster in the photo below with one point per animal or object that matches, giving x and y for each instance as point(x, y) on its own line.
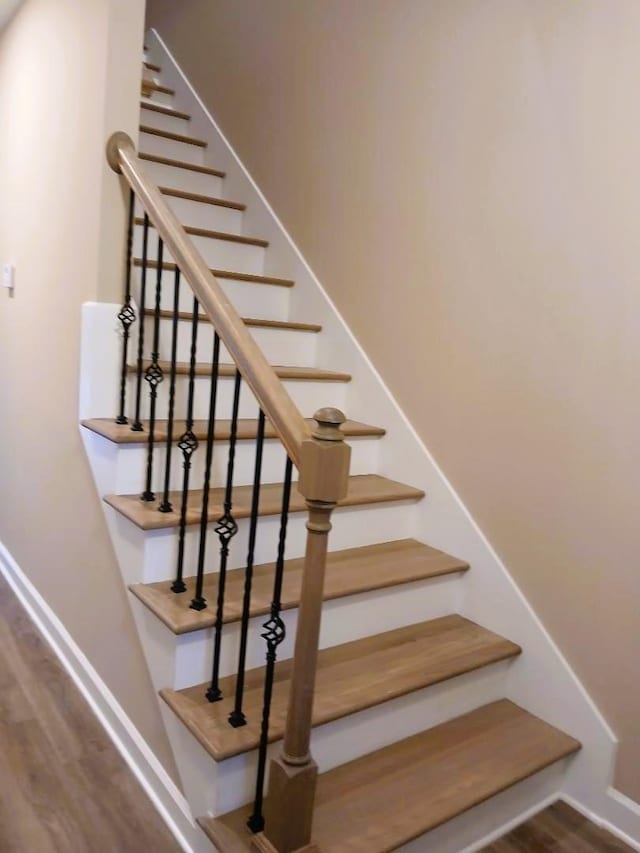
point(226, 528)
point(237, 717)
point(166, 505)
point(199, 602)
point(136, 426)
point(154, 376)
point(274, 634)
point(188, 444)
point(126, 315)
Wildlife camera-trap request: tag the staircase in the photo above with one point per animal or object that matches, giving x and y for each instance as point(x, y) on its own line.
point(413, 725)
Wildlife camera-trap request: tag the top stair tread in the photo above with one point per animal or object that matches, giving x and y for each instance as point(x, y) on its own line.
point(389, 797)
point(349, 572)
point(350, 678)
point(363, 489)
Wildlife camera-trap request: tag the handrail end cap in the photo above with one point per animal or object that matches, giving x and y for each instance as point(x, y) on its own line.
point(115, 141)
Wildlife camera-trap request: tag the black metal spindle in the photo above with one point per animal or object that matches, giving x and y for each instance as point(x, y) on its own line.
point(126, 315)
point(188, 444)
point(166, 505)
point(136, 426)
point(199, 602)
point(153, 376)
point(226, 528)
point(237, 717)
point(274, 634)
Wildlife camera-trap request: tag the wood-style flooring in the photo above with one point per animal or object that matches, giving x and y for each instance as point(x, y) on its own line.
point(64, 788)
point(558, 829)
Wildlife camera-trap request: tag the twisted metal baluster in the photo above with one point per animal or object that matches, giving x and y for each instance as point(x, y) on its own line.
point(226, 528)
point(166, 505)
point(237, 717)
point(274, 634)
point(199, 602)
point(154, 376)
point(136, 426)
point(188, 444)
point(126, 315)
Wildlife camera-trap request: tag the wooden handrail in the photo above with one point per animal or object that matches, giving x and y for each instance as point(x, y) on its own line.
point(268, 389)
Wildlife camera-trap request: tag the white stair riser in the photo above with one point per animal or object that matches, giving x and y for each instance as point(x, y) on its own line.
point(151, 118)
point(132, 459)
point(183, 179)
point(351, 737)
point(156, 550)
point(218, 254)
point(280, 346)
point(152, 144)
point(201, 215)
point(343, 620)
point(308, 396)
point(257, 301)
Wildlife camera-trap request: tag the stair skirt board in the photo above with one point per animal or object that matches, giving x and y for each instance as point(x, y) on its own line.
point(272, 282)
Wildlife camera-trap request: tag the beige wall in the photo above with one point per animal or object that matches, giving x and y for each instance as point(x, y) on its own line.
point(55, 59)
point(464, 177)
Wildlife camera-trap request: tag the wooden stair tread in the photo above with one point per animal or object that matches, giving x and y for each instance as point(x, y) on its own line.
point(247, 429)
point(249, 321)
point(157, 87)
point(363, 489)
point(389, 797)
point(348, 680)
point(175, 137)
point(181, 164)
point(164, 110)
point(217, 235)
point(251, 278)
point(349, 572)
point(152, 67)
point(284, 371)
point(203, 199)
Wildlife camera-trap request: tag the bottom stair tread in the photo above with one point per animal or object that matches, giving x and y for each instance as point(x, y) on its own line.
point(383, 800)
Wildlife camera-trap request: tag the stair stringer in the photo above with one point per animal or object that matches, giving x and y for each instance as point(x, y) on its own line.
point(542, 680)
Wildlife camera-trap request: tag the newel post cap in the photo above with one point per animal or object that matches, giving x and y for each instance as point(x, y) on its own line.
point(324, 459)
point(328, 422)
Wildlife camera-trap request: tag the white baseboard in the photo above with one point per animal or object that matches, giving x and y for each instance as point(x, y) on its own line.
point(161, 790)
point(620, 816)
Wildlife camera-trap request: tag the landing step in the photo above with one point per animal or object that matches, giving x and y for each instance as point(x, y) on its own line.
point(247, 429)
point(351, 677)
point(166, 111)
point(181, 164)
point(217, 235)
point(248, 321)
point(388, 798)
point(175, 137)
point(349, 572)
point(363, 489)
point(203, 199)
point(228, 274)
point(300, 374)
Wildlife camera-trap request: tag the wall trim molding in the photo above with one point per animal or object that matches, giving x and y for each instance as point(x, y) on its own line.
point(155, 781)
point(624, 824)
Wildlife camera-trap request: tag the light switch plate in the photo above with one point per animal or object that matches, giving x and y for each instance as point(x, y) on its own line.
point(8, 276)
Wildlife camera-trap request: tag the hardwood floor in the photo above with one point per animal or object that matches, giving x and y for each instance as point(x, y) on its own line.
point(558, 829)
point(64, 788)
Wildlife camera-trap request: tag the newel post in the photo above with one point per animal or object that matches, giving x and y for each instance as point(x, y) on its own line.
point(324, 473)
